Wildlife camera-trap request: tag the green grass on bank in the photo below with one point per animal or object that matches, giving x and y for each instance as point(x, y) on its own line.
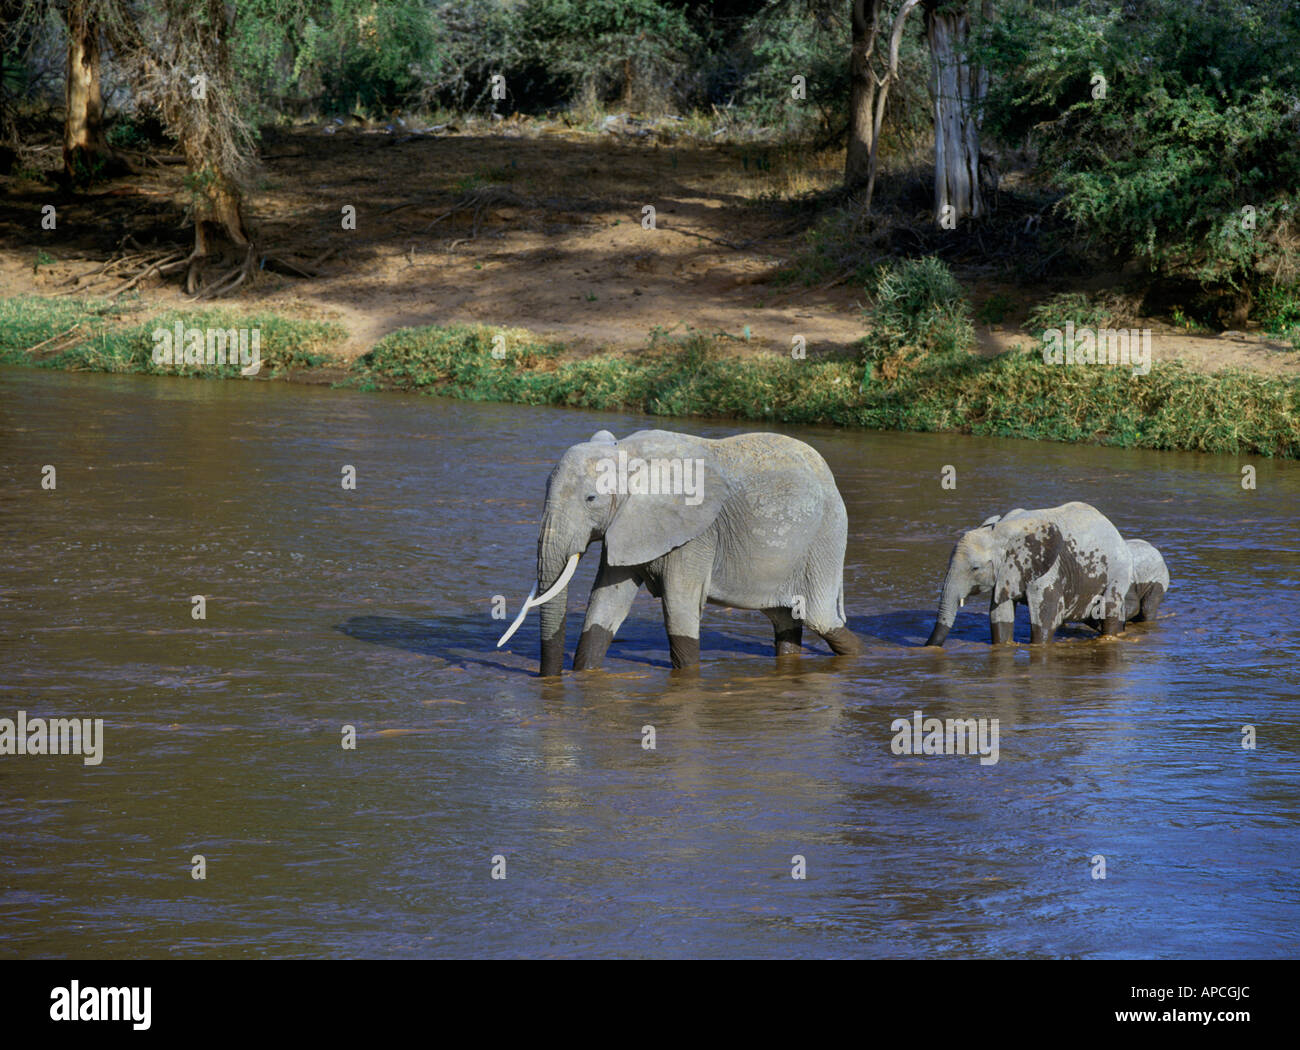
point(88, 335)
point(1015, 395)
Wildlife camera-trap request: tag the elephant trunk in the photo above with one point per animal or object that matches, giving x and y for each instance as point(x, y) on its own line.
point(948, 606)
point(552, 557)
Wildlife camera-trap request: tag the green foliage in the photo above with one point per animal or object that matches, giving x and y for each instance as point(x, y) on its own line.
point(994, 309)
point(473, 40)
point(1277, 308)
point(89, 336)
point(918, 307)
point(362, 52)
point(1014, 395)
point(639, 50)
point(128, 134)
point(1075, 308)
point(781, 42)
point(1185, 157)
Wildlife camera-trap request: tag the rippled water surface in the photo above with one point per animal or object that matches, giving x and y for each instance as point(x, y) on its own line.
point(372, 608)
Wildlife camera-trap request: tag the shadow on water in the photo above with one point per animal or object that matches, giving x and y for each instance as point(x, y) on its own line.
point(453, 639)
point(911, 628)
point(456, 639)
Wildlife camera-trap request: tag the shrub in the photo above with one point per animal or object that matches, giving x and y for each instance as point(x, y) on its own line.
point(1075, 308)
point(918, 309)
point(1183, 155)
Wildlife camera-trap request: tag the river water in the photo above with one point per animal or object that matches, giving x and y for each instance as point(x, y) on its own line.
point(373, 608)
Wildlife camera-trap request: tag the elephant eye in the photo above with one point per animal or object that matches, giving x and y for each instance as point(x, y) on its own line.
point(591, 499)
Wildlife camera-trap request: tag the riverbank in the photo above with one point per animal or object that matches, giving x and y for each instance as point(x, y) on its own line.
point(697, 374)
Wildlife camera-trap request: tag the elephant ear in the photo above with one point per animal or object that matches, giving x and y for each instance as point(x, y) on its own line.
point(1031, 550)
point(675, 490)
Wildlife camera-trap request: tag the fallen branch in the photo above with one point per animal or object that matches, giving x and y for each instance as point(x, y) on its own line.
point(154, 267)
point(278, 265)
point(51, 339)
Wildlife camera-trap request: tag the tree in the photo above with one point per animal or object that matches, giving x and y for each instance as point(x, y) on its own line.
point(864, 17)
point(85, 150)
point(178, 55)
point(958, 84)
point(882, 97)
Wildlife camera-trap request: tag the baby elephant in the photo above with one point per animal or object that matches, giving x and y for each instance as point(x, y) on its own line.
point(1150, 582)
point(1066, 563)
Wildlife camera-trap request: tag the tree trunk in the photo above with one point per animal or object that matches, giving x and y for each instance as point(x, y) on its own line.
point(957, 86)
point(85, 150)
point(886, 82)
point(862, 91)
point(221, 238)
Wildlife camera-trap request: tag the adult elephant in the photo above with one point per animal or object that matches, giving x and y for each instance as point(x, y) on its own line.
point(751, 522)
point(1067, 563)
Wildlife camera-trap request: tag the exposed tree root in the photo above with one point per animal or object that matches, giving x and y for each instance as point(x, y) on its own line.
point(201, 287)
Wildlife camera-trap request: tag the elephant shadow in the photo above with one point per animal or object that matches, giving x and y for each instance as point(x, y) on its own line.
point(466, 641)
point(456, 639)
point(911, 628)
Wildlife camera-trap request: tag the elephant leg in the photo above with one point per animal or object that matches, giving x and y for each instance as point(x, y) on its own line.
point(842, 641)
point(1113, 621)
point(1046, 611)
point(826, 617)
point(789, 631)
point(1002, 622)
point(686, 576)
point(1044, 620)
point(611, 599)
point(1150, 604)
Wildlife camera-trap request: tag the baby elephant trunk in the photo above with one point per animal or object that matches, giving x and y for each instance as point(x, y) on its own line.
point(949, 603)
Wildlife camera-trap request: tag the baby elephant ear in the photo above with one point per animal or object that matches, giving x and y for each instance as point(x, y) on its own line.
point(603, 437)
point(675, 490)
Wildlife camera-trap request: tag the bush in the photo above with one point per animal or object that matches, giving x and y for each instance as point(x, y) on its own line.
point(1075, 308)
point(640, 52)
point(918, 309)
point(1183, 155)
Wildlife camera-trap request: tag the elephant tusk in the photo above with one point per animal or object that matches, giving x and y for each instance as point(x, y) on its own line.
point(523, 611)
point(531, 601)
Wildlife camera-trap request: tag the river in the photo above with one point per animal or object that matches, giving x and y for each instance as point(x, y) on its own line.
point(328, 607)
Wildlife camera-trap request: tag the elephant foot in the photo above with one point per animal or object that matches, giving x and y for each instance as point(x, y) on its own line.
point(1149, 608)
point(685, 651)
point(552, 655)
point(1112, 625)
point(592, 647)
point(789, 643)
point(1002, 633)
point(842, 641)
